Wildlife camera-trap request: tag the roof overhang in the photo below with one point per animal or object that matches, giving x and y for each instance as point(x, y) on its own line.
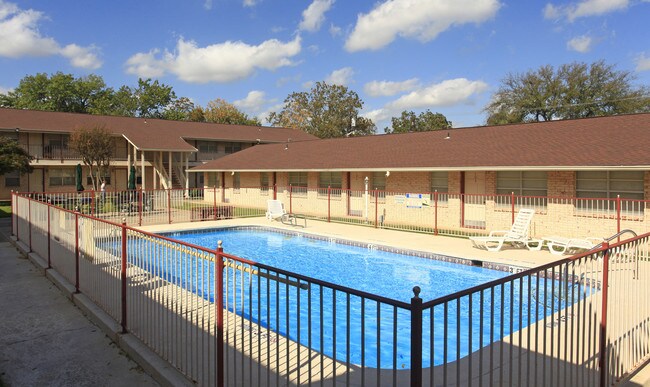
point(441, 169)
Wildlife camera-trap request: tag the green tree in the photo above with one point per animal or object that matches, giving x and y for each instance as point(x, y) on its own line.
point(179, 110)
point(152, 98)
point(222, 112)
point(13, 157)
point(574, 90)
point(95, 147)
point(325, 111)
point(59, 92)
point(425, 121)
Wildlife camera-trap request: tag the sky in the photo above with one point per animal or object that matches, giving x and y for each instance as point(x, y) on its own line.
point(447, 56)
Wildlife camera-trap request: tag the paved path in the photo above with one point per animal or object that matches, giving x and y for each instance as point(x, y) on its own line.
point(47, 341)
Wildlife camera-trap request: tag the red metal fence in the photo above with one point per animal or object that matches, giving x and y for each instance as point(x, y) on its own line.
point(432, 212)
point(223, 320)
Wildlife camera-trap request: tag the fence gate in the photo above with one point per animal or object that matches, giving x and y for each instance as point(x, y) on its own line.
point(356, 203)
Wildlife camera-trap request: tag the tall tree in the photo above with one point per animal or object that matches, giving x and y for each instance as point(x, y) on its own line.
point(152, 98)
point(179, 109)
point(95, 147)
point(325, 111)
point(222, 112)
point(574, 90)
point(59, 92)
point(425, 121)
point(13, 157)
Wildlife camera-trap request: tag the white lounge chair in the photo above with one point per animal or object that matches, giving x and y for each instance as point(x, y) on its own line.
point(560, 245)
point(517, 235)
point(275, 211)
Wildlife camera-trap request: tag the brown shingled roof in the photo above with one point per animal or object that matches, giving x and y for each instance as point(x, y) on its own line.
point(146, 134)
point(605, 142)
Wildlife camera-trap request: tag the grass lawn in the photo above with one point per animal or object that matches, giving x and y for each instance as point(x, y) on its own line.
point(5, 209)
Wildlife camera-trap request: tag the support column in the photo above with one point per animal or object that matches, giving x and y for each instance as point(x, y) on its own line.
point(187, 175)
point(170, 181)
point(142, 169)
point(155, 171)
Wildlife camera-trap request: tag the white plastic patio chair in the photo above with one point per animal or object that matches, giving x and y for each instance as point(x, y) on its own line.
point(517, 235)
point(560, 245)
point(274, 209)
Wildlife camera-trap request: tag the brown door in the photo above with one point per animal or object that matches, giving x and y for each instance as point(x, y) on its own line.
point(473, 212)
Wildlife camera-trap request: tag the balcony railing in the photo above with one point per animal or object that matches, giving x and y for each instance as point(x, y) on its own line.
point(48, 152)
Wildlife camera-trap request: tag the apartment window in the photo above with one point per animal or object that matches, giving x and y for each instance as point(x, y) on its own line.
point(440, 183)
point(264, 182)
point(530, 187)
point(207, 146)
point(12, 179)
point(333, 180)
point(56, 145)
point(523, 183)
point(61, 177)
point(608, 185)
point(236, 181)
point(298, 182)
point(378, 183)
point(214, 179)
point(106, 177)
point(232, 147)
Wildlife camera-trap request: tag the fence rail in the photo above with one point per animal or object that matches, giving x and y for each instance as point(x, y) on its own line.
point(224, 320)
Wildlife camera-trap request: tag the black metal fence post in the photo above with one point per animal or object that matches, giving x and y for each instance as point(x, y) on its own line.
point(416, 338)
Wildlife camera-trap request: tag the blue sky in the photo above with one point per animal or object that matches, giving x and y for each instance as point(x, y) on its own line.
point(447, 56)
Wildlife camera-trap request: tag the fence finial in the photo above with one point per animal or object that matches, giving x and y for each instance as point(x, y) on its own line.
point(219, 244)
point(416, 291)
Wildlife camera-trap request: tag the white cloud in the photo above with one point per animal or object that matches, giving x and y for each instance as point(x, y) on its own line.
point(642, 63)
point(551, 12)
point(378, 115)
point(336, 31)
point(446, 93)
point(581, 44)
point(340, 77)
point(314, 16)
point(221, 62)
point(450, 92)
point(254, 101)
point(422, 20)
point(258, 105)
point(249, 3)
point(145, 65)
point(83, 57)
point(584, 8)
point(207, 4)
point(388, 88)
point(20, 37)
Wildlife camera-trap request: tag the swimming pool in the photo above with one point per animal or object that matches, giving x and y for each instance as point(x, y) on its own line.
point(346, 327)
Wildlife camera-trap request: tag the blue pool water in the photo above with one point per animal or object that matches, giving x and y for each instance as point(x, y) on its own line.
point(334, 317)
